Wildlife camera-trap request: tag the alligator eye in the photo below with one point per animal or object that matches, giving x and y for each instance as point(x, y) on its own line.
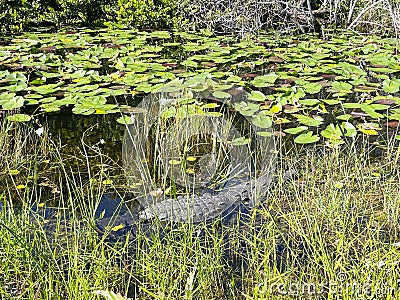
point(245, 196)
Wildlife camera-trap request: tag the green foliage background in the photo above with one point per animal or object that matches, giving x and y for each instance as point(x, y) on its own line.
point(243, 18)
point(17, 15)
point(147, 13)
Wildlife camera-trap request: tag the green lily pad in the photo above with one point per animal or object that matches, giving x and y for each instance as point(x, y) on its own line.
point(384, 70)
point(309, 102)
point(349, 128)
point(189, 63)
point(308, 121)
point(125, 120)
point(19, 118)
point(261, 120)
point(256, 96)
point(9, 103)
point(18, 86)
point(221, 87)
point(341, 87)
point(368, 109)
point(391, 86)
point(296, 130)
point(170, 112)
point(264, 133)
point(221, 95)
point(246, 108)
point(265, 80)
point(332, 132)
point(312, 87)
point(83, 110)
point(369, 128)
point(45, 89)
point(331, 101)
point(161, 34)
point(50, 107)
point(352, 105)
point(210, 105)
point(306, 138)
point(240, 141)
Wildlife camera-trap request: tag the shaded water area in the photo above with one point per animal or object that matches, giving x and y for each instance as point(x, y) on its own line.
point(78, 133)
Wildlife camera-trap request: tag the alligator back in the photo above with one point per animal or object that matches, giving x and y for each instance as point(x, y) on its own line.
point(195, 208)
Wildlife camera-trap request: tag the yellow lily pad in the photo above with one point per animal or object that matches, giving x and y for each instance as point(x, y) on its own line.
point(174, 162)
point(118, 227)
point(13, 172)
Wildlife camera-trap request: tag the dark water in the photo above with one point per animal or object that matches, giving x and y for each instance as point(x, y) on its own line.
point(96, 132)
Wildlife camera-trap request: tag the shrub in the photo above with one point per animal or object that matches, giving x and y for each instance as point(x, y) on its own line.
point(82, 12)
point(18, 15)
point(14, 14)
point(147, 13)
point(244, 17)
point(240, 17)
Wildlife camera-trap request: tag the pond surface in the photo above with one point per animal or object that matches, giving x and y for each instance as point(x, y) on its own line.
point(85, 87)
point(295, 83)
point(85, 84)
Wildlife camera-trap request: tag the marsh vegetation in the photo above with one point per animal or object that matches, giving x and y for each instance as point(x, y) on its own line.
point(321, 91)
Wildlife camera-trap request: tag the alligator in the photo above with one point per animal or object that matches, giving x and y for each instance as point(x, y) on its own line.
point(242, 188)
point(223, 206)
point(197, 208)
point(240, 192)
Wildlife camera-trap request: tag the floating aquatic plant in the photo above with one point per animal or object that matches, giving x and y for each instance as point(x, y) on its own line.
point(292, 81)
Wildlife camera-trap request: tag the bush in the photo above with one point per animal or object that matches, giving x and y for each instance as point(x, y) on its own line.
point(14, 14)
point(247, 17)
point(82, 12)
point(241, 17)
point(147, 13)
point(19, 15)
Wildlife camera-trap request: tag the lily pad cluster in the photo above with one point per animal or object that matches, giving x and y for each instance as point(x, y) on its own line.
point(304, 86)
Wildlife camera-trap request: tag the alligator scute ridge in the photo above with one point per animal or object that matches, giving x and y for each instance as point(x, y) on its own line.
point(197, 208)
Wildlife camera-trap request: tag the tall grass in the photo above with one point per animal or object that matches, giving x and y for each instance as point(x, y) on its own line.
point(333, 232)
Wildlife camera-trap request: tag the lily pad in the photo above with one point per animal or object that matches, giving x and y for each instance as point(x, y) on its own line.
point(265, 80)
point(369, 128)
point(332, 132)
point(296, 130)
point(246, 108)
point(341, 87)
point(261, 120)
point(391, 85)
point(19, 118)
point(125, 120)
point(221, 95)
point(240, 141)
point(312, 87)
point(11, 103)
point(306, 138)
point(349, 128)
point(256, 96)
point(308, 121)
